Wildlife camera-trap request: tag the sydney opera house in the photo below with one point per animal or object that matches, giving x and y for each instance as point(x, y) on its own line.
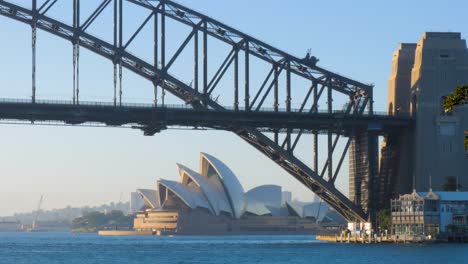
point(213, 201)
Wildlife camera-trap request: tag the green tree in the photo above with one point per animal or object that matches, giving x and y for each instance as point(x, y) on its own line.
point(93, 221)
point(450, 184)
point(458, 97)
point(385, 219)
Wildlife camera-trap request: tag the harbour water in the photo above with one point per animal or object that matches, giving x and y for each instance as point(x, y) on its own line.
point(90, 248)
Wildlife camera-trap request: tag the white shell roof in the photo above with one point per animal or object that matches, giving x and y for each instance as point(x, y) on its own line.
point(263, 200)
point(316, 208)
point(191, 198)
point(231, 184)
point(297, 208)
point(150, 197)
point(217, 200)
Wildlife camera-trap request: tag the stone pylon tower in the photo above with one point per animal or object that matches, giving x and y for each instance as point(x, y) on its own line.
point(395, 170)
point(422, 74)
point(399, 83)
point(441, 64)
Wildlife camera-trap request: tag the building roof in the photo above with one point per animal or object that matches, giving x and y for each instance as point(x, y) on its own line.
point(217, 189)
point(263, 200)
point(216, 200)
point(150, 197)
point(449, 196)
point(191, 198)
point(232, 186)
point(296, 208)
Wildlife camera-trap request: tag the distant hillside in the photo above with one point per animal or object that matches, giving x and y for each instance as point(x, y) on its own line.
point(94, 221)
point(67, 214)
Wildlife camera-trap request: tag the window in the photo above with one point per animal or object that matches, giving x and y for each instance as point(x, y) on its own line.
point(447, 129)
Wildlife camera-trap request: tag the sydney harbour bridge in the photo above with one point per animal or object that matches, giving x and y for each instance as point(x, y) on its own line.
point(224, 95)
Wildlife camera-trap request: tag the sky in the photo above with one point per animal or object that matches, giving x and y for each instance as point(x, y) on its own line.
point(79, 166)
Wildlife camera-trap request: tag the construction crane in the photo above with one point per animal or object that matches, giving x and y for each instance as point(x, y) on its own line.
point(34, 223)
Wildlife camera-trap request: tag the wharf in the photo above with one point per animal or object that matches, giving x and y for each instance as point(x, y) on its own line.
point(391, 239)
point(353, 239)
point(123, 233)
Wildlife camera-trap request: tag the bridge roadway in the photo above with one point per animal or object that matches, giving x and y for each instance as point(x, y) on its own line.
point(152, 119)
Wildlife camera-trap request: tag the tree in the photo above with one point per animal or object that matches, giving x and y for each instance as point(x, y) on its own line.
point(385, 219)
point(93, 221)
point(458, 97)
point(450, 184)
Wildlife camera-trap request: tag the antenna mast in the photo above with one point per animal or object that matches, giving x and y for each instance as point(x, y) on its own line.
point(430, 182)
point(34, 223)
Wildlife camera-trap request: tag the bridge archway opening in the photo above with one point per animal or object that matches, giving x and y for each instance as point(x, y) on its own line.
point(288, 75)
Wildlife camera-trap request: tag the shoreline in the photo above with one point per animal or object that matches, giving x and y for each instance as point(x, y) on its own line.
point(389, 240)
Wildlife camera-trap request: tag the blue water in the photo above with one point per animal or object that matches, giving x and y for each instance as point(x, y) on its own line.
point(90, 248)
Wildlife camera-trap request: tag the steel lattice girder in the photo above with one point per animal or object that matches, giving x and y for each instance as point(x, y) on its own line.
point(301, 67)
point(145, 115)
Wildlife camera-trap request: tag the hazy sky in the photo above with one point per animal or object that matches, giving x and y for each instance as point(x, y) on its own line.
point(89, 166)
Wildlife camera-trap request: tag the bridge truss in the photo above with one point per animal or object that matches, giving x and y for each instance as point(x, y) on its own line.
point(278, 142)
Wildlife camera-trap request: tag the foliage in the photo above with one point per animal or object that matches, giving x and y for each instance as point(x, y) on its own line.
point(450, 184)
point(458, 97)
point(385, 219)
point(93, 221)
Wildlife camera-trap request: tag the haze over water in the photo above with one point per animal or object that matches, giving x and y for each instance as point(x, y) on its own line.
point(89, 248)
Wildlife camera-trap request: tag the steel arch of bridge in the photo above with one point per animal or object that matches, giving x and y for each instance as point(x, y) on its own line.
point(323, 83)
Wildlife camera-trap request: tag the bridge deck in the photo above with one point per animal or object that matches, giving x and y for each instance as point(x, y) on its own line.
point(146, 116)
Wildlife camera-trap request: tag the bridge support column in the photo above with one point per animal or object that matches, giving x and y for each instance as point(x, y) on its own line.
point(76, 53)
point(396, 166)
point(363, 181)
point(33, 46)
point(33, 93)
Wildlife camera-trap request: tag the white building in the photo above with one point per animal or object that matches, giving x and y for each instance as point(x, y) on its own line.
point(430, 214)
point(213, 200)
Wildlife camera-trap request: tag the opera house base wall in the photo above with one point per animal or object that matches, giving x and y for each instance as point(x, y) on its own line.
point(201, 222)
point(123, 233)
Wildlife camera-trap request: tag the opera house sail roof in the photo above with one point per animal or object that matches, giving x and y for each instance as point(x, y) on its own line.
point(264, 200)
point(150, 198)
point(190, 196)
point(216, 198)
point(216, 190)
point(224, 179)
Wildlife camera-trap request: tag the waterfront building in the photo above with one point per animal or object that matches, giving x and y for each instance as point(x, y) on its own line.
point(213, 201)
point(10, 226)
point(430, 214)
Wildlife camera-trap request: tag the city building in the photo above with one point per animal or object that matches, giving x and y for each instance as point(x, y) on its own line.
point(213, 201)
point(430, 215)
point(10, 226)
